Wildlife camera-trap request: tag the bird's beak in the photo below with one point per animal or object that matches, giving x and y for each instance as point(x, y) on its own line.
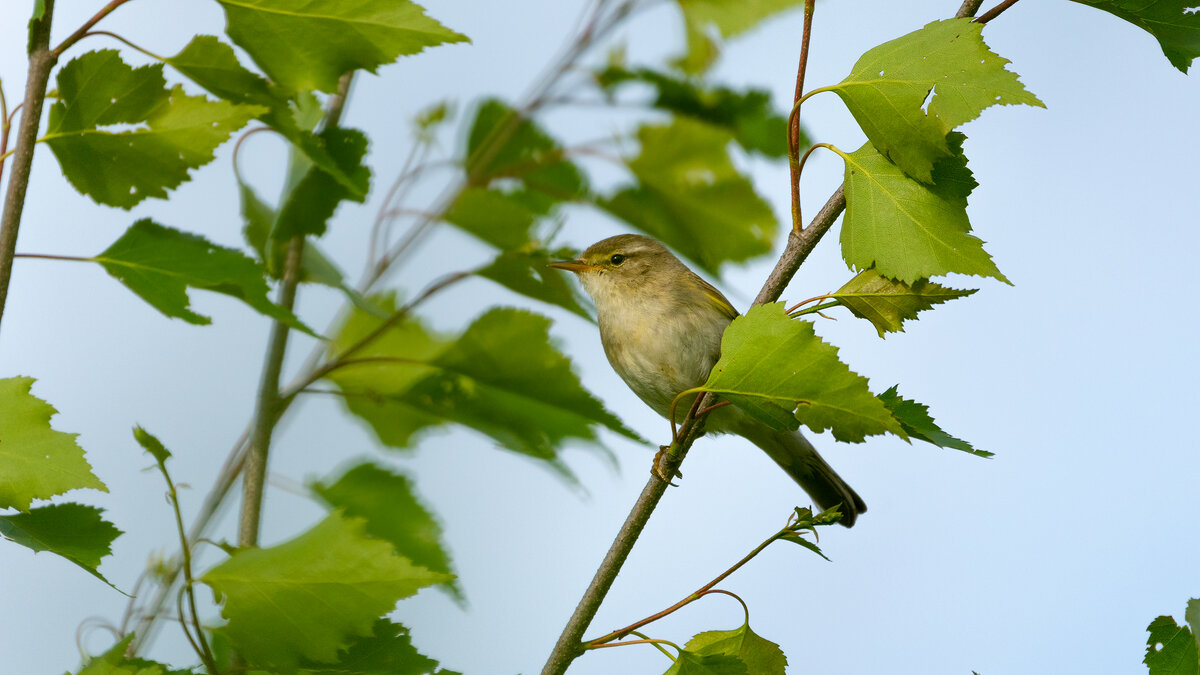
point(575, 266)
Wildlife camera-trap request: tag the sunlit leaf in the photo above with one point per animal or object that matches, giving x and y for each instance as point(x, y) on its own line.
point(918, 423)
point(771, 365)
point(174, 132)
point(886, 303)
point(268, 595)
point(308, 45)
point(36, 462)
point(73, 531)
point(691, 663)
point(525, 272)
point(212, 64)
point(391, 512)
point(690, 196)
point(504, 145)
point(388, 651)
point(160, 264)
point(113, 662)
point(1174, 23)
point(494, 217)
point(761, 656)
point(887, 90)
point(906, 229)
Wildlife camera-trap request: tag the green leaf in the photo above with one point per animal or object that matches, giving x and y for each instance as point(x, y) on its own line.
point(175, 132)
point(906, 229)
point(689, 663)
point(159, 264)
point(36, 462)
point(886, 303)
point(502, 377)
point(312, 201)
point(494, 217)
point(887, 90)
point(113, 662)
point(1171, 649)
point(797, 538)
point(770, 363)
point(503, 144)
point(917, 423)
point(388, 651)
point(748, 115)
point(728, 19)
point(308, 45)
point(152, 445)
point(213, 65)
point(391, 512)
point(73, 531)
point(525, 272)
point(1192, 616)
point(761, 656)
point(269, 594)
point(690, 196)
point(1170, 22)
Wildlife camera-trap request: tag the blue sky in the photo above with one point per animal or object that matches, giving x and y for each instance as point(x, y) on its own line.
point(1051, 557)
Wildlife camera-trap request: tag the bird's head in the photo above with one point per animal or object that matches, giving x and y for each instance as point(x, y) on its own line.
point(623, 266)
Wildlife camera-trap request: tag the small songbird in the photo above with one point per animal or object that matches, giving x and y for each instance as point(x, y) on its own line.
point(661, 326)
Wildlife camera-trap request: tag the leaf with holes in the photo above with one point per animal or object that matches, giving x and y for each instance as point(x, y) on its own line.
point(36, 461)
point(268, 594)
point(1171, 649)
point(945, 62)
point(690, 196)
point(175, 132)
point(906, 229)
point(886, 303)
point(160, 264)
point(771, 365)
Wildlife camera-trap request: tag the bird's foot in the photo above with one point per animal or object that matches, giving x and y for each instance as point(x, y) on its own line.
point(662, 468)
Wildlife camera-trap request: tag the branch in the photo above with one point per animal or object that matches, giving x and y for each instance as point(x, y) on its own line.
point(794, 117)
point(800, 244)
point(87, 25)
point(995, 11)
point(41, 61)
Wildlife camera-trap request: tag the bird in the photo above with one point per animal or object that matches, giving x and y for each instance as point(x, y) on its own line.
point(661, 326)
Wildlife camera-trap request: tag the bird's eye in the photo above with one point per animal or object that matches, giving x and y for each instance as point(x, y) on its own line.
point(617, 259)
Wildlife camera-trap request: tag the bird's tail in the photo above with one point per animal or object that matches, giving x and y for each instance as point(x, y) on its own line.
point(795, 455)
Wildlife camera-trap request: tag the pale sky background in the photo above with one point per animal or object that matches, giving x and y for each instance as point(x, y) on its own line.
point(1051, 557)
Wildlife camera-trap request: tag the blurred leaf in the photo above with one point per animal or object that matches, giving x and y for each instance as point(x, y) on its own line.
point(36, 462)
point(690, 196)
point(175, 132)
point(494, 217)
point(388, 651)
point(760, 656)
point(887, 90)
point(391, 511)
point(906, 229)
point(1174, 23)
point(502, 144)
point(309, 45)
point(502, 377)
point(259, 218)
point(690, 663)
point(748, 115)
point(918, 423)
point(1192, 616)
point(152, 445)
point(73, 531)
point(269, 594)
point(213, 65)
point(113, 662)
point(311, 203)
point(886, 303)
point(525, 272)
point(1171, 649)
point(771, 364)
point(160, 264)
point(727, 19)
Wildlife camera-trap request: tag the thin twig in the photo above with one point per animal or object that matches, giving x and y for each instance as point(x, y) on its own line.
point(87, 26)
point(41, 61)
point(794, 118)
point(995, 11)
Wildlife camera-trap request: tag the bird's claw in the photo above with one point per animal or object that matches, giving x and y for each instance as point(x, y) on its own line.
point(661, 469)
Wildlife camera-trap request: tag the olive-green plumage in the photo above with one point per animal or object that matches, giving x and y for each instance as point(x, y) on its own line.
point(661, 327)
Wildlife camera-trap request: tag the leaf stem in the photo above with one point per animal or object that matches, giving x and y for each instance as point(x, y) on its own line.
point(644, 641)
point(995, 11)
point(794, 117)
point(47, 256)
point(816, 310)
point(127, 43)
point(41, 61)
point(87, 26)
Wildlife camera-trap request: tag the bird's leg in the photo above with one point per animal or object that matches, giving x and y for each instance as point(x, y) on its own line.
point(665, 466)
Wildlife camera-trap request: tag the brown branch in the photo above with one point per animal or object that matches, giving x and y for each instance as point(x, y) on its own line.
point(995, 11)
point(87, 25)
point(794, 118)
point(41, 61)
